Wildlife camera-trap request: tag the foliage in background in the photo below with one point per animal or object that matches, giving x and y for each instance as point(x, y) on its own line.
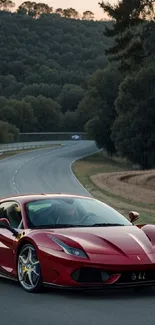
point(102, 92)
point(8, 133)
point(45, 65)
point(132, 105)
point(62, 71)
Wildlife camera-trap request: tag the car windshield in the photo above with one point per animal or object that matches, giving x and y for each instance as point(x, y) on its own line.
point(72, 212)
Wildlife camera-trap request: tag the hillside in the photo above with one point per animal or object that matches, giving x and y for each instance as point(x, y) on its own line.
point(51, 57)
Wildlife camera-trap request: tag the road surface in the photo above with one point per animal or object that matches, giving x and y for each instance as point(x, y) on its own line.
point(48, 170)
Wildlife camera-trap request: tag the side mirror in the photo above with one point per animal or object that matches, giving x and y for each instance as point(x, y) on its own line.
point(5, 224)
point(133, 216)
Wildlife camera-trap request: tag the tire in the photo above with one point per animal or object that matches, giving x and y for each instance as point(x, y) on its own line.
point(28, 269)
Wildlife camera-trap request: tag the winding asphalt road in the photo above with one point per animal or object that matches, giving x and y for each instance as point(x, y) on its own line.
point(48, 170)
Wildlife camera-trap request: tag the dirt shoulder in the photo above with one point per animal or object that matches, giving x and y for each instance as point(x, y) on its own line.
point(114, 182)
point(127, 185)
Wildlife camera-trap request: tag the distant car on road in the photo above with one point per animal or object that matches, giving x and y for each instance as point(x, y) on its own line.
point(75, 137)
point(69, 241)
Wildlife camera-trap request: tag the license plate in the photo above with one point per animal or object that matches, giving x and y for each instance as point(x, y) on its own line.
point(141, 276)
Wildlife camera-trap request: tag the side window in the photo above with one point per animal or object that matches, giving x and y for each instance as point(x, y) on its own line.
point(11, 211)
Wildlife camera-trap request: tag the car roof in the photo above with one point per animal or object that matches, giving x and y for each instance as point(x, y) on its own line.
point(24, 198)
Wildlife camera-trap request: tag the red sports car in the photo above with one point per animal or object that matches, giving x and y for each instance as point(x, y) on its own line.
point(73, 242)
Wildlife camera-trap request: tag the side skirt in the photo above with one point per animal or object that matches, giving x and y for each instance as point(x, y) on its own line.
point(7, 276)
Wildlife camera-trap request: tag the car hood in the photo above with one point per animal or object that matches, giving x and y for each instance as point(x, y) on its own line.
point(126, 240)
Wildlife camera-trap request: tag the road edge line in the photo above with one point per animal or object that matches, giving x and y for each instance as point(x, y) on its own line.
point(79, 158)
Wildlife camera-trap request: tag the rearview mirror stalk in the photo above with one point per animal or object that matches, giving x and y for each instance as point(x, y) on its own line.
point(14, 232)
point(133, 216)
point(5, 224)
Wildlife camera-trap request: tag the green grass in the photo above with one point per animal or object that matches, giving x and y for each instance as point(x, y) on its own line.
point(101, 163)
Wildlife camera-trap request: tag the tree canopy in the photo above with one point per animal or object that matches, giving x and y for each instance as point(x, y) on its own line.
point(45, 64)
point(123, 120)
point(133, 130)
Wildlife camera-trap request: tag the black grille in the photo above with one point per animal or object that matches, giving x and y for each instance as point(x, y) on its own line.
point(87, 275)
point(94, 275)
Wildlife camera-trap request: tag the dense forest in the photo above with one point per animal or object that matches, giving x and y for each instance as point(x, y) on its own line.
point(64, 72)
point(121, 97)
point(45, 65)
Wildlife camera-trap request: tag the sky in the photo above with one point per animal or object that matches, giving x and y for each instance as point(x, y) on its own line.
point(80, 5)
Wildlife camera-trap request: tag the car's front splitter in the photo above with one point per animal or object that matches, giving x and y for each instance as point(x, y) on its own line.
point(101, 286)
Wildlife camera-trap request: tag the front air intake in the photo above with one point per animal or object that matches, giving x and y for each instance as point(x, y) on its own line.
point(88, 275)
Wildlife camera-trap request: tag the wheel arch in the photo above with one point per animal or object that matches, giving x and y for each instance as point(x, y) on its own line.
point(22, 243)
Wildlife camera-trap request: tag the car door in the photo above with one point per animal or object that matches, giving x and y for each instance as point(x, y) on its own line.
point(11, 211)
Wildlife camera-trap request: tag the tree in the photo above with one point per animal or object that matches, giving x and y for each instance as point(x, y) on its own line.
point(133, 131)
point(27, 7)
point(9, 86)
point(149, 40)
point(88, 106)
point(8, 133)
point(70, 13)
point(18, 113)
point(34, 9)
point(6, 4)
point(67, 13)
point(127, 15)
point(59, 11)
point(42, 8)
point(70, 122)
point(74, 13)
point(128, 12)
point(97, 108)
point(88, 15)
point(47, 113)
point(70, 97)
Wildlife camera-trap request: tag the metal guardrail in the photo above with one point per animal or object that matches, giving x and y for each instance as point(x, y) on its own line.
point(30, 140)
point(50, 136)
point(25, 145)
point(33, 133)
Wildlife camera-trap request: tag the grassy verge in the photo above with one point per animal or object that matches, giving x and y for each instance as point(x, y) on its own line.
point(100, 163)
point(7, 154)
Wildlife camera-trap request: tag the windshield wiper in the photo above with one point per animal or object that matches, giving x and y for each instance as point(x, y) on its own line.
point(107, 225)
point(55, 226)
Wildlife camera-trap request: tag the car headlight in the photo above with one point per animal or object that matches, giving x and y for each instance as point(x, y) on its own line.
point(67, 249)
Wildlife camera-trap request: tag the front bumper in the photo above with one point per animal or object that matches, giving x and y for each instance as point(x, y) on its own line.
point(62, 271)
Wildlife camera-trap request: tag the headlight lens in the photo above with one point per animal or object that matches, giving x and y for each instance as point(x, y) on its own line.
point(67, 249)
